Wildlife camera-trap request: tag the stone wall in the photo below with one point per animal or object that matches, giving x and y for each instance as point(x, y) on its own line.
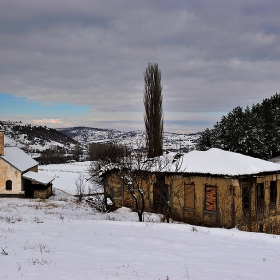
point(43, 193)
point(217, 201)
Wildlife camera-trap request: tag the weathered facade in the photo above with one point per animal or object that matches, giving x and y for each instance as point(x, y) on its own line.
point(250, 200)
point(14, 166)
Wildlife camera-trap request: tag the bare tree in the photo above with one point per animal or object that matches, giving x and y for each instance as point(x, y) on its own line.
point(96, 198)
point(80, 186)
point(153, 108)
point(134, 184)
point(128, 180)
point(167, 186)
point(96, 188)
point(102, 155)
point(135, 179)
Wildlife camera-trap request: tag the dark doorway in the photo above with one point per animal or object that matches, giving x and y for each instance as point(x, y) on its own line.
point(273, 193)
point(246, 198)
point(160, 194)
point(29, 189)
point(260, 197)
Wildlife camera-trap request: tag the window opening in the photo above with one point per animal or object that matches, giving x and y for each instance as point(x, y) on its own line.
point(246, 198)
point(160, 193)
point(260, 196)
point(210, 198)
point(189, 196)
point(8, 185)
point(273, 192)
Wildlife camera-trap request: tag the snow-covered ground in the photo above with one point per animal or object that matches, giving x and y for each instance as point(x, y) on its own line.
point(60, 238)
point(66, 175)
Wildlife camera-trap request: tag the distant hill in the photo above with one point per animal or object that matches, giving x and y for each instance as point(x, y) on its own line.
point(33, 137)
point(134, 139)
point(86, 135)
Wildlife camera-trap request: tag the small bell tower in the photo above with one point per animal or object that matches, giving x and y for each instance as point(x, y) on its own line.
point(1, 142)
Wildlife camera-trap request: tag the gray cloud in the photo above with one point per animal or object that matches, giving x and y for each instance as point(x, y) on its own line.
point(213, 56)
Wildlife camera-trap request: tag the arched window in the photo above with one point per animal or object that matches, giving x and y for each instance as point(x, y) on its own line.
point(8, 185)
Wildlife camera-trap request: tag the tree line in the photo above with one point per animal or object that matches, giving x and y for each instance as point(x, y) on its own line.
point(57, 154)
point(251, 131)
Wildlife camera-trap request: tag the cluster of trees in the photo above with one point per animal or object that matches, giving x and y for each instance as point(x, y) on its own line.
point(254, 131)
point(58, 154)
point(52, 156)
point(107, 152)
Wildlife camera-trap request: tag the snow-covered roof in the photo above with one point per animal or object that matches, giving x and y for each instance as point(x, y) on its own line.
point(108, 167)
point(219, 162)
point(18, 158)
point(38, 177)
point(213, 162)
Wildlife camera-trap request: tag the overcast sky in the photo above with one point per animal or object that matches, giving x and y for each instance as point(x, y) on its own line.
point(81, 63)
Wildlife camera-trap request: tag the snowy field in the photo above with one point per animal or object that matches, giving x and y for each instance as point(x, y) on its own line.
point(59, 238)
point(66, 175)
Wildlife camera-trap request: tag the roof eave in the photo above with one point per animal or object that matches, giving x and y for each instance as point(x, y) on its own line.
point(42, 183)
point(21, 171)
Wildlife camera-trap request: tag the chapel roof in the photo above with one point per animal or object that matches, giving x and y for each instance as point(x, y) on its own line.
point(18, 158)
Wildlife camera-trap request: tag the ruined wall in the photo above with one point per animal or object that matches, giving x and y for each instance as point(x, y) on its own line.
point(213, 210)
point(203, 200)
point(206, 200)
point(43, 192)
point(269, 208)
point(114, 188)
point(229, 198)
point(119, 193)
point(264, 216)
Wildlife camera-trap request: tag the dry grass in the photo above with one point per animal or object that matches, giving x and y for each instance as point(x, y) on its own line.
point(11, 219)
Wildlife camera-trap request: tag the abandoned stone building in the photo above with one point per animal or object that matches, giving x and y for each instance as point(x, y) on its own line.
point(212, 188)
point(19, 175)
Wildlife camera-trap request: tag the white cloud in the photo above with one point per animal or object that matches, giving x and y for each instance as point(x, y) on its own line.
point(48, 121)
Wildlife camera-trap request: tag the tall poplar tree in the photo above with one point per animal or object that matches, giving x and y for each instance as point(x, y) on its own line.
point(153, 107)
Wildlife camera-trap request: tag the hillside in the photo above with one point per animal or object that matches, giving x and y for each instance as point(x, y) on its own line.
point(35, 138)
point(32, 137)
point(134, 139)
